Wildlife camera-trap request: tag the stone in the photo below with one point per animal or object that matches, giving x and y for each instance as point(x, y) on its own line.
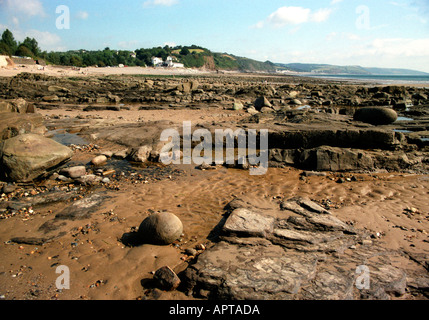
point(99, 160)
point(262, 102)
point(74, 172)
point(26, 157)
point(141, 154)
point(295, 102)
point(191, 252)
point(305, 257)
point(167, 279)
point(16, 106)
point(13, 124)
point(376, 115)
point(335, 159)
point(237, 106)
point(160, 229)
point(8, 188)
point(89, 179)
point(246, 222)
point(51, 98)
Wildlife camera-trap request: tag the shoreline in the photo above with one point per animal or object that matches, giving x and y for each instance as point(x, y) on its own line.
point(65, 71)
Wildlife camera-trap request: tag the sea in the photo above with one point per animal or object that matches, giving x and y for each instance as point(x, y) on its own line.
point(382, 79)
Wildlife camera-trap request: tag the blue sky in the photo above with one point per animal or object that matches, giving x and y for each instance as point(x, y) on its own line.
point(371, 33)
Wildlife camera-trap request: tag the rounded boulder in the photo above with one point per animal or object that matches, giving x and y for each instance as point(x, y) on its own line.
point(160, 229)
point(376, 115)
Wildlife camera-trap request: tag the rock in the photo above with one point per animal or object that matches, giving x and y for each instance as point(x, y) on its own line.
point(8, 188)
point(191, 252)
point(82, 209)
point(305, 257)
point(51, 98)
point(267, 110)
point(74, 172)
point(376, 115)
point(161, 229)
point(26, 157)
point(89, 179)
point(13, 124)
point(16, 106)
point(105, 180)
point(141, 154)
point(262, 102)
point(122, 154)
point(238, 106)
point(99, 160)
point(252, 111)
point(246, 222)
point(167, 279)
point(335, 159)
point(295, 102)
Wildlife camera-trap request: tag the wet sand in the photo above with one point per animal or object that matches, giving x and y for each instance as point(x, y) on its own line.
point(103, 267)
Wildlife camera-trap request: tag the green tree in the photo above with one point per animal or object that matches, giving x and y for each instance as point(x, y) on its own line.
point(9, 41)
point(76, 61)
point(185, 51)
point(4, 49)
point(23, 51)
point(33, 45)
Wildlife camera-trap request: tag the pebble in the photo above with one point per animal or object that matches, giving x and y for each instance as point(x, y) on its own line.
point(8, 188)
point(99, 160)
point(200, 247)
point(167, 278)
point(191, 252)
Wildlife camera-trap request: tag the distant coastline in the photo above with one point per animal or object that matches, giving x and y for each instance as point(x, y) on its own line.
point(383, 79)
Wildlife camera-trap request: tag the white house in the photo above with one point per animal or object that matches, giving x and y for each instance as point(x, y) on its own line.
point(157, 62)
point(171, 64)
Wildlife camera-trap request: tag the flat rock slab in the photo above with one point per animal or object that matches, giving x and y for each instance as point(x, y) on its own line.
point(82, 209)
point(299, 252)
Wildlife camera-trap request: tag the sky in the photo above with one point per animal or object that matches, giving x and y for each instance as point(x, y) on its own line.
point(370, 33)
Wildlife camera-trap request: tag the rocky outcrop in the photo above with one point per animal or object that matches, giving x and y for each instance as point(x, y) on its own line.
point(296, 251)
point(18, 117)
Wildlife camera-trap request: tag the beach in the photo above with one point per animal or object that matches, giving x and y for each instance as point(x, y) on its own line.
point(370, 180)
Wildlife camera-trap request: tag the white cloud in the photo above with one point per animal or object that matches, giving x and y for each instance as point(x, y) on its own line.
point(321, 15)
point(294, 16)
point(83, 15)
point(333, 2)
point(289, 15)
point(165, 3)
point(25, 7)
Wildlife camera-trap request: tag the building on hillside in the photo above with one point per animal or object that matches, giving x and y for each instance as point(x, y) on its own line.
point(157, 62)
point(172, 64)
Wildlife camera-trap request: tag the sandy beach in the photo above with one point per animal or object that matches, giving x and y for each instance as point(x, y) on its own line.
point(391, 206)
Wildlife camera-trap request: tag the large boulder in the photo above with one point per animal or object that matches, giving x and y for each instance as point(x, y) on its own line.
point(376, 115)
point(160, 229)
point(27, 156)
